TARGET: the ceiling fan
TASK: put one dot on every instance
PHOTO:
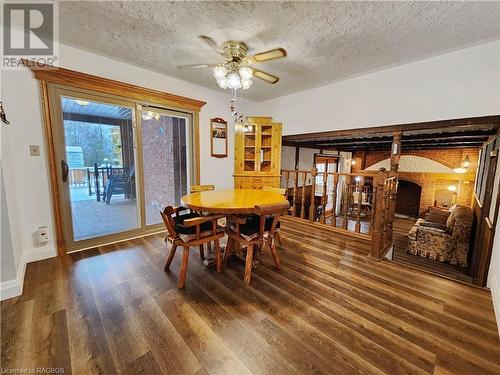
(236, 72)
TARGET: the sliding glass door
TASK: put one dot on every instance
(120, 161)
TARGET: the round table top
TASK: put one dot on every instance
(230, 200)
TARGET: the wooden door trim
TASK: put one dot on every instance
(52, 165)
(73, 79)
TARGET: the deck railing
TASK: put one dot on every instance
(362, 203)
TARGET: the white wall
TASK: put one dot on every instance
(26, 177)
(459, 84)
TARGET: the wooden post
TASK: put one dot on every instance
(395, 157)
(334, 200)
(312, 208)
(377, 236)
(303, 197)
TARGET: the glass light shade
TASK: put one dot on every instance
(245, 73)
(147, 115)
(222, 82)
(246, 83)
(219, 72)
(233, 81)
(81, 102)
(460, 170)
(466, 162)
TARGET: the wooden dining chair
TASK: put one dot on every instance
(198, 188)
(281, 191)
(186, 231)
(253, 232)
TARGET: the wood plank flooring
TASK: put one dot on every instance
(330, 310)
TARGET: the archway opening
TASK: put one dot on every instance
(408, 199)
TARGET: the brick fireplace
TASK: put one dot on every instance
(434, 186)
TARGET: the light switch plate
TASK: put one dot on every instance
(34, 150)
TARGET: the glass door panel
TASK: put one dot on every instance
(99, 162)
(165, 160)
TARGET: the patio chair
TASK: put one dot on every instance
(254, 231)
(120, 184)
(187, 231)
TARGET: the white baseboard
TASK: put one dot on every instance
(495, 297)
(14, 288)
(10, 289)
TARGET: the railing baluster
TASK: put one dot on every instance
(312, 206)
(324, 198)
(303, 197)
(357, 226)
(347, 200)
(334, 201)
(295, 185)
(373, 206)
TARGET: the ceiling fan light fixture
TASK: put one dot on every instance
(246, 73)
(222, 82)
(81, 102)
(246, 83)
(233, 80)
(219, 71)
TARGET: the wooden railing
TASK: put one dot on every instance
(361, 203)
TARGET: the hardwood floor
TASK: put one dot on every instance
(401, 228)
(330, 310)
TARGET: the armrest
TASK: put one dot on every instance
(200, 220)
(433, 232)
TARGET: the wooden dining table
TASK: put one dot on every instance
(230, 201)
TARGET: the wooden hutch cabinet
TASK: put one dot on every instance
(257, 154)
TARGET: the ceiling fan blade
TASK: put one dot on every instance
(273, 54)
(265, 76)
(211, 43)
(195, 66)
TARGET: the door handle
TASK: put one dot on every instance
(65, 170)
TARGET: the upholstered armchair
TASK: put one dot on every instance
(443, 242)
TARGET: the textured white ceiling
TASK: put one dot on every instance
(326, 41)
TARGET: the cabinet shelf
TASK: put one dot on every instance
(257, 153)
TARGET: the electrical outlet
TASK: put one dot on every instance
(34, 150)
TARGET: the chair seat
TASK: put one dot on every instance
(180, 219)
(250, 230)
(187, 234)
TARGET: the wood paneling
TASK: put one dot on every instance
(329, 310)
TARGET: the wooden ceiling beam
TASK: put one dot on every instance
(463, 136)
(458, 125)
